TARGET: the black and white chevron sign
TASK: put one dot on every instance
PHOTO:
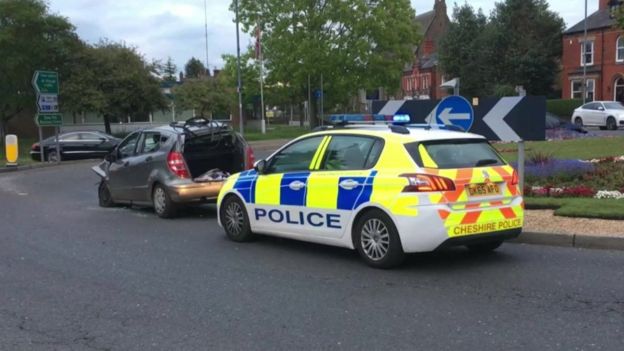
(513, 118)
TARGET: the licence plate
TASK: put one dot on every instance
(485, 189)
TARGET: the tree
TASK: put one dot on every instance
(194, 68)
(30, 39)
(355, 44)
(205, 95)
(170, 71)
(463, 50)
(250, 77)
(526, 44)
(129, 85)
(519, 45)
(80, 89)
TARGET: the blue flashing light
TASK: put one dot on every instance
(354, 118)
(401, 119)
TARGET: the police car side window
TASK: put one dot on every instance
(349, 152)
(295, 157)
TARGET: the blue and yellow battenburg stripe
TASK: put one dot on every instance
(321, 190)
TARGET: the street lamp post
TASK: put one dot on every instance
(584, 61)
(238, 73)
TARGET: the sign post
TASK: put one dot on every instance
(46, 84)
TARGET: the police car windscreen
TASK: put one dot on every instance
(461, 153)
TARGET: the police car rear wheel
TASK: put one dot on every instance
(377, 240)
(235, 221)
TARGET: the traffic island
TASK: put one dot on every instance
(542, 227)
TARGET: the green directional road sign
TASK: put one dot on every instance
(49, 119)
(46, 82)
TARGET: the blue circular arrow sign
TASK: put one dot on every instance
(455, 110)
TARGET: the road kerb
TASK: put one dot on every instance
(572, 240)
(43, 165)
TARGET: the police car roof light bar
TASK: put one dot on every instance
(368, 119)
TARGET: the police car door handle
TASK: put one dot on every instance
(348, 184)
(296, 185)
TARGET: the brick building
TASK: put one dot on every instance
(603, 54)
(422, 78)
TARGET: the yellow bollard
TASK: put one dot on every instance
(12, 150)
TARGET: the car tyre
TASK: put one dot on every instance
(163, 205)
(377, 241)
(104, 195)
(235, 220)
(611, 124)
(485, 247)
(52, 156)
(578, 121)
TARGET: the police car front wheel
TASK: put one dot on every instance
(377, 240)
(235, 220)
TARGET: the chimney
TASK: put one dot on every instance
(604, 4)
(440, 6)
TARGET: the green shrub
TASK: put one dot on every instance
(563, 108)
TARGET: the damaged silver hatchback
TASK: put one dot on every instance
(169, 166)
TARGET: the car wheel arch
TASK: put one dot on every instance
(226, 196)
(361, 212)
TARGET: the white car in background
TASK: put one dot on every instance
(604, 114)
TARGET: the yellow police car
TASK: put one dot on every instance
(383, 190)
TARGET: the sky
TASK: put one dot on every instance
(175, 28)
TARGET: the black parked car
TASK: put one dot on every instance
(75, 145)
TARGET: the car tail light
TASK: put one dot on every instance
(514, 178)
(249, 158)
(427, 182)
(35, 146)
(176, 164)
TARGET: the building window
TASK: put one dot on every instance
(577, 89)
(618, 90)
(587, 53)
(619, 50)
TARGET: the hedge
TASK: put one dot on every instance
(563, 108)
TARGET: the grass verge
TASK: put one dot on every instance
(276, 132)
(578, 207)
(586, 148)
(24, 152)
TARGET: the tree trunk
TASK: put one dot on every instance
(2, 129)
(107, 126)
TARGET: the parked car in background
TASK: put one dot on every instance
(555, 124)
(604, 114)
(170, 166)
(75, 145)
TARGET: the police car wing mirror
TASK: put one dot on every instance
(260, 166)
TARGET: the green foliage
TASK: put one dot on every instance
(584, 149)
(126, 81)
(206, 96)
(563, 108)
(579, 207)
(520, 44)
(170, 71)
(194, 68)
(30, 39)
(250, 77)
(355, 44)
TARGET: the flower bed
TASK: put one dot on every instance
(597, 178)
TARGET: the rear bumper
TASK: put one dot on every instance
(195, 192)
(429, 230)
(481, 238)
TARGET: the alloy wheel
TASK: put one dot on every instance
(375, 239)
(234, 219)
(160, 200)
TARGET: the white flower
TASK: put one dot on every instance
(606, 194)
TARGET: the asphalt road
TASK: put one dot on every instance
(74, 276)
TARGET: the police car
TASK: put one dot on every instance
(383, 190)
